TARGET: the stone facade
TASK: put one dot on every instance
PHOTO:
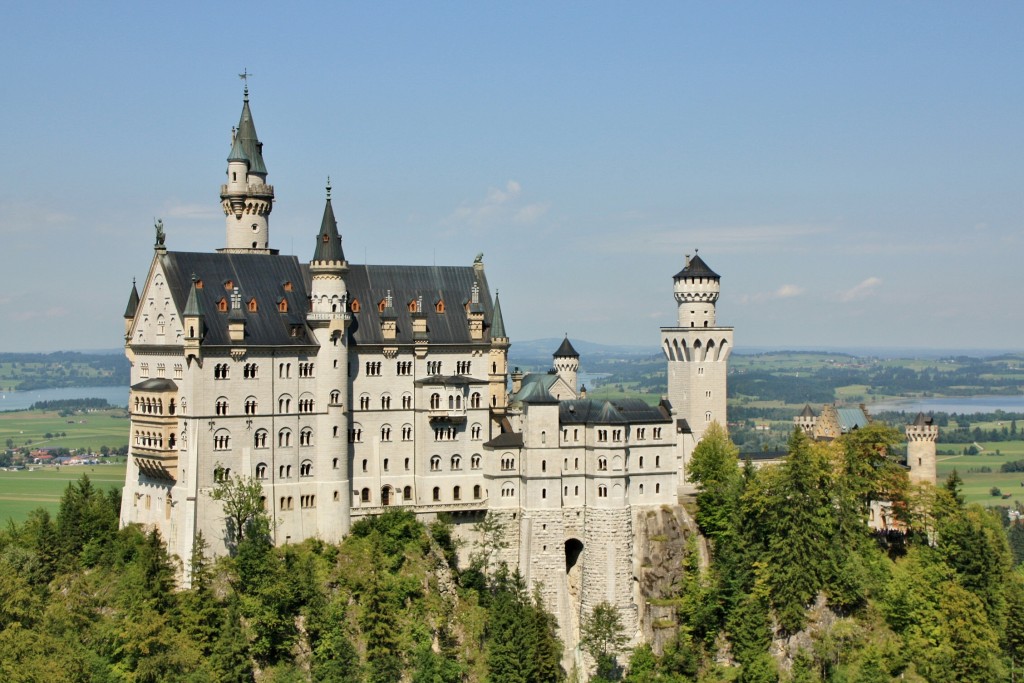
(346, 390)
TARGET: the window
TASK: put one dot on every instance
(641, 432)
(602, 464)
(657, 432)
(386, 464)
(449, 433)
(576, 463)
(249, 370)
(355, 434)
(284, 370)
(334, 463)
(476, 492)
(284, 471)
(366, 465)
(306, 405)
(433, 367)
(435, 463)
(251, 406)
(308, 501)
(385, 402)
(335, 397)
(476, 432)
(456, 462)
(306, 437)
(707, 394)
(657, 461)
(508, 462)
(437, 493)
(474, 462)
(373, 368)
(406, 401)
(543, 465)
(657, 488)
(462, 367)
(403, 368)
(616, 435)
(178, 369)
(221, 440)
(457, 493)
(641, 489)
(435, 401)
(385, 433)
(284, 438)
(221, 473)
(365, 496)
(707, 416)
(602, 434)
(305, 370)
(220, 371)
(261, 470)
(364, 402)
(700, 371)
(406, 432)
(407, 493)
(259, 439)
(284, 404)
(221, 407)
(602, 491)
(640, 462)
(286, 503)
(161, 370)
(508, 490)
(407, 464)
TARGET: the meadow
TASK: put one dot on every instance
(83, 430)
(25, 490)
(977, 485)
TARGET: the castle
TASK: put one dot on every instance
(347, 389)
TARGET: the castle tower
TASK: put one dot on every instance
(328, 318)
(697, 350)
(498, 376)
(921, 437)
(806, 420)
(129, 312)
(567, 364)
(246, 198)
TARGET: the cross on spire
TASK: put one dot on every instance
(328, 187)
(245, 77)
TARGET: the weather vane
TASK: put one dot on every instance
(245, 76)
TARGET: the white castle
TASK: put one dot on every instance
(346, 390)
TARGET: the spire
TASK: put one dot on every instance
(245, 137)
(133, 302)
(497, 323)
(566, 350)
(328, 242)
(695, 267)
(192, 306)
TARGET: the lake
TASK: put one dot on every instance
(962, 405)
(21, 400)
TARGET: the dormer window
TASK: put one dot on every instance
(439, 306)
(412, 306)
(229, 285)
(222, 305)
(287, 286)
(252, 305)
(355, 306)
(199, 284)
(327, 238)
(282, 305)
(381, 305)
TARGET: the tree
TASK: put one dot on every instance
(603, 638)
(715, 468)
(242, 500)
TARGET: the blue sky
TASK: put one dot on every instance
(853, 171)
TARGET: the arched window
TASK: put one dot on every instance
(261, 470)
(385, 433)
(335, 397)
(259, 439)
(474, 462)
(474, 400)
(222, 406)
(306, 468)
(602, 491)
(476, 492)
(251, 406)
(221, 440)
(284, 403)
(365, 497)
(457, 493)
(306, 437)
(284, 438)
(435, 463)
(407, 493)
(437, 493)
(435, 401)
(456, 462)
(602, 464)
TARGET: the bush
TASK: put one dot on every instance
(995, 492)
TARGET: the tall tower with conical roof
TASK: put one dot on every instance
(246, 198)
(328, 319)
(697, 350)
(498, 375)
(567, 364)
(922, 435)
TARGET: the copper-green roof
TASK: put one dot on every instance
(192, 306)
(245, 136)
(328, 241)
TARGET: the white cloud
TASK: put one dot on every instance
(499, 205)
(783, 292)
(861, 290)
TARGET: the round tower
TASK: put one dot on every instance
(246, 198)
(922, 435)
(806, 420)
(328, 318)
(696, 289)
(567, 364)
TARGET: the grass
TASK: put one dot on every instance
(977, 484)
(86, 430)
(24, 491)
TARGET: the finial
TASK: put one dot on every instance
(245, 77)
(194, 278)
(133, 282)
(328, 187)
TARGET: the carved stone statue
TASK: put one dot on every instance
(160, 234)
(479, 258)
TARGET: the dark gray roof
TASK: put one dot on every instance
(260, 276)
(498, 324)
(192, 306)
(808, 411)
(566, 350)
(452, 284)
(449, 381)
(155, 384)
(923, 420)
(696, 267)
(506, 440)
(328, 242)
(621, 411)
(133, 302)
(245, 135)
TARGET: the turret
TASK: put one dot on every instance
(696, 289)
(567, 363)
(921, 437)
(806, 420)
(246, 198)
(498, 377)
(192, 317)
(129, 311)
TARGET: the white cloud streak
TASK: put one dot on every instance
(499, 206)
(862, 290)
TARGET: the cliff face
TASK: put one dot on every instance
(661, 537)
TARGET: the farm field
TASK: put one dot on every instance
(977, 484)
(24, 491)
(88, 430)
